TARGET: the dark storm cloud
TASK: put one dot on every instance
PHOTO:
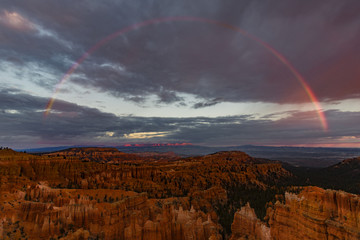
(11, 98)
(23, 125)
(22, 115)
(299, 128)
(169, 97)
(40, 40)
(319, 38)
(207, 104)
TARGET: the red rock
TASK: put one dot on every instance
(314, 213)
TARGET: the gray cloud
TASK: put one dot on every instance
(171, 59)
(197, 58)
(169, 97)
(207, 104)
(23, 125)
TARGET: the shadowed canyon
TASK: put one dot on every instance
(102, 193)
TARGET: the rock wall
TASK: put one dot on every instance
(314, 213)
(247, 225)
(79, 214)
(64, 195)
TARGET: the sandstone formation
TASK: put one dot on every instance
(97, 193)
(314, 213)
(80, 214)
(106, 194)
(247, 226)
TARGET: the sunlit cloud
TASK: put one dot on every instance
(12, 111)
(145, 135)
(15, 21)
(109, 134)
(346, 138)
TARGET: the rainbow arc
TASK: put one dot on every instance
(310, 93)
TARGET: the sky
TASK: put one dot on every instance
(206, 72)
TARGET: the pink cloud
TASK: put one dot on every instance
(15, 21)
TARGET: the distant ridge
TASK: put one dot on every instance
(45, 149)
(296, 156)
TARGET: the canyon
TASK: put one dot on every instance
(102, 193)
(314, 213)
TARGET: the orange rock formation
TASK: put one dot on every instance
(101, 194)
(247, 226)
(314, 213)
(71, 196)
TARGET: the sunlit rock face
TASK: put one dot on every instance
(43, 212)
(314, 213)
(317, 213)
(95, 194)
(247, 226)
(81, 194)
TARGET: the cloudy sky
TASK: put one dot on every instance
(206, 72)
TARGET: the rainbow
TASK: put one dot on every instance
(135, 26)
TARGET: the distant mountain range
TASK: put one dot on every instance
(296, 156)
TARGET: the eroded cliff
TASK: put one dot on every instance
(314, 213)
(106, 194)
(91, 194)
